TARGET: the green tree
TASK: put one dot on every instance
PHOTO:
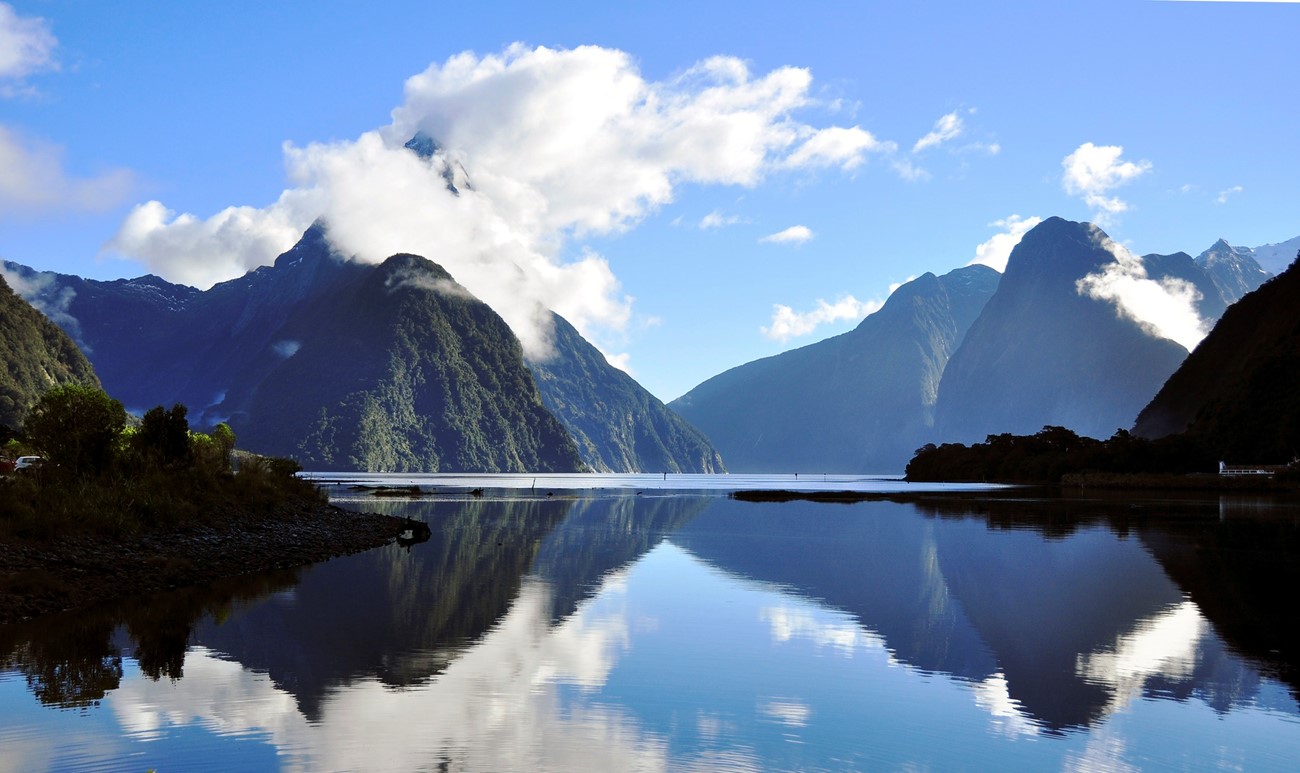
(224, 437)
(76, 427)
(164, 436)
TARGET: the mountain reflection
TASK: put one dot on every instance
(1057, 602)
(672, 631)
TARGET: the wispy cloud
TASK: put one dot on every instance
(26, 46)
(909, 171)
(788, 323)
(795, 234)
(32, 179)
(837, 146)
(1226, 194)
(716, 219)
(948, 127)
(994, 252)
(1093, 171)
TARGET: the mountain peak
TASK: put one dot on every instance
(422, 145)
(453, 172)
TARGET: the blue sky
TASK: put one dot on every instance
(697, 185)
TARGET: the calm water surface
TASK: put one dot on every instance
(610, 630)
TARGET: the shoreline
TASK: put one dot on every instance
(39, 578)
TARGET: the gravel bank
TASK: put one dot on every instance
(45, 577)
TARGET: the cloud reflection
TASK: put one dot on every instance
(1166, 644)
(840, 634)
(495, 708)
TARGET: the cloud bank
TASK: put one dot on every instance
(32, 179)
(1164, 308)
(1093, 171)
(560, 144)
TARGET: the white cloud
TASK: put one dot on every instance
(1164, 308)
(559, 144)
(947, 128)
(994, 252)
(795, 234)
(788, 323)
(26, 46)
(909, 171)
(1092, 171)
(1226, 194)
(183, 248)
(32, 179)
(716, 219)
(837, 146)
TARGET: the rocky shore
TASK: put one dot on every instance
(38, 578)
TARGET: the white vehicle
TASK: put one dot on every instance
(27, 462)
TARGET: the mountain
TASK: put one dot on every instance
(1234, 270)
(858, 402)
(617, 424)
(36, 354)
(1277, 257)
(340, 364)
(1220, 275)
(402, 370)
(1041, 352)
(232, 353)
(1237, 390)
(116, 323)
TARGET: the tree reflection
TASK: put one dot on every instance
(69, 662)
(72, 660)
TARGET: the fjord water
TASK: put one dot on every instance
(664, 631)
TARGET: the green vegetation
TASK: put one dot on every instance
(37, 355)
(1053, 452)
(618, 426)
(402, 370)
(103, 477)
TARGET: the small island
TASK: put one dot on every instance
(115, 509)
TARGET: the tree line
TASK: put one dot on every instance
(1053, 452)
(103, 472)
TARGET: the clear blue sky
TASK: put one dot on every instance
(105, 107)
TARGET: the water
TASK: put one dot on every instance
(668, 631)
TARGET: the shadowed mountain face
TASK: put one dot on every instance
(1043, 353)
(36, 355)
(157, 343)
(617, 425)
(858, 402)
(1238, 389)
